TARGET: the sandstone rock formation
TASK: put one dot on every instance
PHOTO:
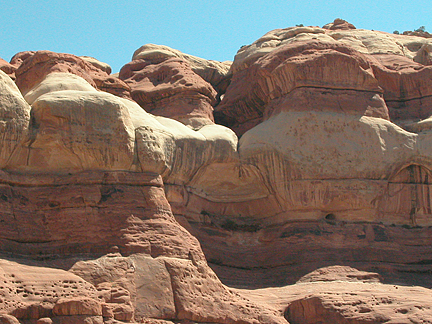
(171, 89)
(124, 200)
(169, 83)
(7, 68)
(35, 66)
(340, 301)
(214, 72)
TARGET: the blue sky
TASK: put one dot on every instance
(112, 30)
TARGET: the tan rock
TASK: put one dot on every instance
(100, 65)
(59, 81)
(351, 147)
(14, 120)
(139, 278)
(347, 302)
(340, 273)
(30, 291)
(81, 130)
(159, 139)
(8, 319)
(200, 297)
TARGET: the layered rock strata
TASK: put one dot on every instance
(115, 192)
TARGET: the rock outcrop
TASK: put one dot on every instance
(341, 301)
(7, 68)
(148, 196)
(171, 89)
(35, 66)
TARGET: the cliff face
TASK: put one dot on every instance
(311, 149)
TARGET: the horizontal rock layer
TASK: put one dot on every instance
(116, 189)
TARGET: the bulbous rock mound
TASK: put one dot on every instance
(171, 89)
(35, 66)
(122, 201)
(7, 68)
(305, 76)
(214, 72)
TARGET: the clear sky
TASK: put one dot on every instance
(112, 30)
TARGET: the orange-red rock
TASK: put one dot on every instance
(20, 57)
(36, 66)
(214, 72)
(340, 24)
(407, 87)
(170, 89)
(304, 76)
(147, 226)
(77, 306)
(7, 68)
(108, 214)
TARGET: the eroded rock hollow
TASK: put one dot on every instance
(292, 185)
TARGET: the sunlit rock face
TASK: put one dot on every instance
(311, 149)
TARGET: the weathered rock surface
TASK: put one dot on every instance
(7, 68)
(35, 66)
(306, 76)
(214, 72)
(108, 213)
(347, 302)
(170, 89)
(14, 119)
(397, 64)
(100, 65)
(20, 57)
(59, 81)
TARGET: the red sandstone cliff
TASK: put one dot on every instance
(289, 186)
